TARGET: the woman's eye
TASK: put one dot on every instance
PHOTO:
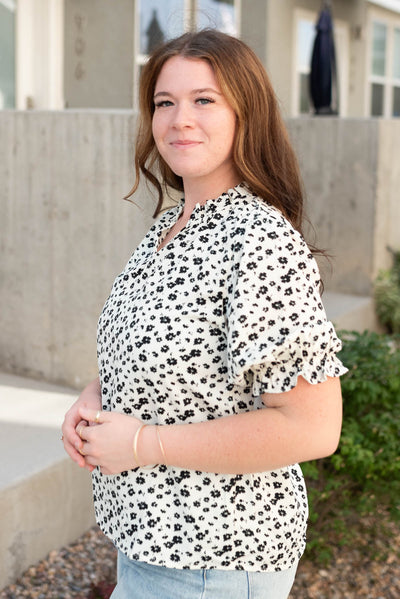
(205, 101)
(163, 103)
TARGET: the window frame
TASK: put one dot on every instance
(388, 81)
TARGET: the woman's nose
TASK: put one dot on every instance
(183, 116)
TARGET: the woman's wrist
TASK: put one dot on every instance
(150, 448)
(91, 395)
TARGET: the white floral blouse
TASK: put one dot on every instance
(227, 310)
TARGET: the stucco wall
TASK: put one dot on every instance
(66, 233)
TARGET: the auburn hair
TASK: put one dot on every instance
(262, 153)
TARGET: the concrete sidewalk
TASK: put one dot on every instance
(45, 499)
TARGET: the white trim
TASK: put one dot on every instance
(10, 4)
(136, 46)
(393, 5)
(55, 30)
(342, 50)
(306, 15)
(238, 12)
(39, 50)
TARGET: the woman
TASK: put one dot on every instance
(217, 365)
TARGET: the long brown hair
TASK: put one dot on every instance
(262, 153)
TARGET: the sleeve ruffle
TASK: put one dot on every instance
(308, 352)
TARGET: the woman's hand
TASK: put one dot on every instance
(73, 423)
(108, 444)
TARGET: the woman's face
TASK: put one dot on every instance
(193, 124)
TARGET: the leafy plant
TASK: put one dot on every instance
(363, 476)
(387, 295)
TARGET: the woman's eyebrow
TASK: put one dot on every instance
(161, 94)
(206, 90)
(193, 92)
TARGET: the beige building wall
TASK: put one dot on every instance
(99, 53)
(254, 28)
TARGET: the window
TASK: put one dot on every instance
(384, 79)
(159, 20)
(220, 15)
(7, 54)
(378, 68)
(304, 35)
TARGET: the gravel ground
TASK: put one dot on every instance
(77, 570)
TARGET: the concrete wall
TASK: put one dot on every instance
(387, 220)
(351, 174)
(46, 511)
(66, 233)
(338, 160)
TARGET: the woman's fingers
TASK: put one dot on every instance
(105, 440)
(93, 416)
(72, 427)
(73, 452)
(80, 427)
(74, 424)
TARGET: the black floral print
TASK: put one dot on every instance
(227, 310)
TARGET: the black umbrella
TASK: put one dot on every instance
(323, 83)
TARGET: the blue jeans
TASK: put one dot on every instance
(139, 580)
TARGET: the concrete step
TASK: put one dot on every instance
(45, 499)
(351, 312)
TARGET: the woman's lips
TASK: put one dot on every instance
(184, 143)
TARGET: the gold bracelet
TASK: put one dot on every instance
(135, 442)
(161, 445)
(135, 447)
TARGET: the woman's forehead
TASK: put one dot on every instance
(181, 71)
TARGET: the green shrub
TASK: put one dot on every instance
(363, 476)
(387, 295)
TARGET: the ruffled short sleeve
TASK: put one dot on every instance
(277, 325)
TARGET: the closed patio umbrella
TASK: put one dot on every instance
(323, 82)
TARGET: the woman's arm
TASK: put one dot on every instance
(295, 426)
